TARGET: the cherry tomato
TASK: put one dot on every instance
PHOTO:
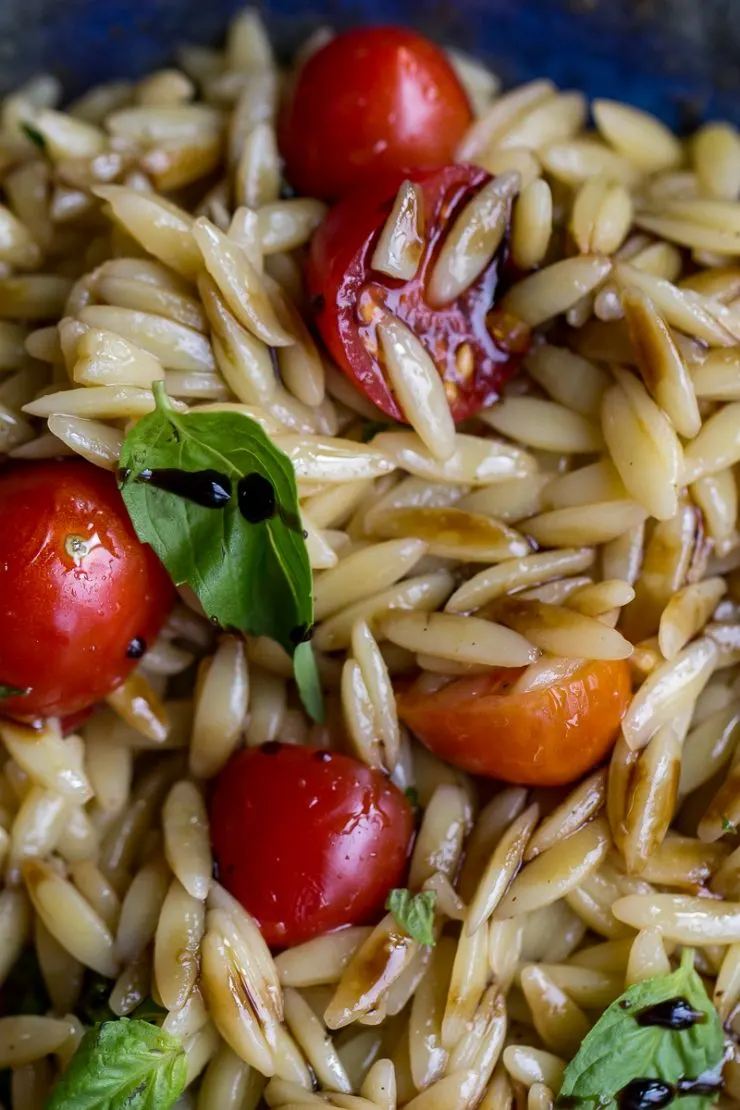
(308, 840)
(544, 737)
(74, 721)
(372, 99)
(475, 349)
(80, 596)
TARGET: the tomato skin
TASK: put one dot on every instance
(373, 99)
(341, 281)
(307, 840)
(66, 618)
(547, 737)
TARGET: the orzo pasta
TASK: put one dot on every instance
(434, 754)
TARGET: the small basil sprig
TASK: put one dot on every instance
(123, 1065)
(629, 1044)
(414, 913)
(217, 500)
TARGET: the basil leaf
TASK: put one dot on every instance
(13, 691)
(123, 1065)
(414, 913)
(619, 1049)
(243, 552)
(34, 135)
(411, 794)
(149, 1010)
(308, 681)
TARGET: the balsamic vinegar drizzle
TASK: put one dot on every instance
(213, 490)
(207, 488)
(256, 496)
(651, 1094)
(645, 1094)
(673, 1013)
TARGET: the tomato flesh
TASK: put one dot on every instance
(545, 737)
(307, 840)
(370, 100)
(76, 587)
(474, 349)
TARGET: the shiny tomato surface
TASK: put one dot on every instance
(474, 348)
(308, 840)
(79, 594)
(373, 99)
(544, 737)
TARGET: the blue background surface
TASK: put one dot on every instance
(679, 58)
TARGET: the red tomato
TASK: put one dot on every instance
(543, 737)
(475, 350)
(307, 840)
(80, 596)
(372, 99)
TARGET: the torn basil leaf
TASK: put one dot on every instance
(123, 1065)
(308, 680)
(414, 913)
(636, 1040)
(7, 691)
(34, 135)
(217, 500)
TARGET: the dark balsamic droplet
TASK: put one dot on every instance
(207, 488)
(673, 1013)
(322, 756)
(136, 648)
(256, 498)
(272, 747)
(317, 303)
(645, 1094)
(123, 474)
(568, 1102)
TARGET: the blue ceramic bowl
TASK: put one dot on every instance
(678, 58)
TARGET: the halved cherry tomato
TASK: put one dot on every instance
(308, 840)
(372, 99)
(80, 595)
(474, 350)
(542, 737)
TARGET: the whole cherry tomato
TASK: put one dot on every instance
(80, 595)
(372, 99)
(544, 737)
(474, 347)
(308, 840)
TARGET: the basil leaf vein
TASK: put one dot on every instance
(252, 577)
(123, 1065)
(619, 1050)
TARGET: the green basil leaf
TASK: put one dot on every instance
(13, 691)
(149, 1010)
(34, 135)
(123, 1065)
(251, 576)
(619, 1049)
(414, 913)
(411, 794)
(308, 681)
